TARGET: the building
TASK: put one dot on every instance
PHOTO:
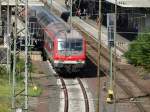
(132, 16)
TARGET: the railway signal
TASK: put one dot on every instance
(110, 30)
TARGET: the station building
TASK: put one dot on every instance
(133, 16)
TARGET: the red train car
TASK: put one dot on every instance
(65, 47)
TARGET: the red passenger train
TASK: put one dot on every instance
(65, 47)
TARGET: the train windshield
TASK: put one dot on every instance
(70, 45)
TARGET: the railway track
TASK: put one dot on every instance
(92, 53)
(75, 95)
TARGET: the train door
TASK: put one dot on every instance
(51, 47)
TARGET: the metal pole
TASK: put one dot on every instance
(14, 60)
(70, 14)
(98, 59)
(111, 66)
(51, 1)
(8, 40)
(26, 56)
(115, 34)
(0, 10)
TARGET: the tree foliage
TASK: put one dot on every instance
(139, 51)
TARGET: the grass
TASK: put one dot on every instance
(4, 107)
(32, 92)
(6, 89)
(5, 95)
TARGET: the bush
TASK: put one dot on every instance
(139, 51)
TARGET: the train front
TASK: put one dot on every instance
(71, 51)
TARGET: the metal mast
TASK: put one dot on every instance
(115, 35)
(51, 5)
(26, 56)
(70, 14)
(8, 40)
(0, 17)
(14, 59)
(99, 54)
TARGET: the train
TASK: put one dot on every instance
(63, 45)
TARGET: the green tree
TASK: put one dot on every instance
(139, 51)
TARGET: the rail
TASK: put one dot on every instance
(85, 95)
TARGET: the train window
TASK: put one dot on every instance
(70, 45)
(76, 45)
(62, 45)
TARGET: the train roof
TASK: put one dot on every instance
(61, 31)
(54, 24)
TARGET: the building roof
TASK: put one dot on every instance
(22, 2)
(132, 3)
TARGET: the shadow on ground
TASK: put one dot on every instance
(88, 71)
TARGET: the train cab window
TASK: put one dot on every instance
(70, 45)
(62, 45)
(76, 45)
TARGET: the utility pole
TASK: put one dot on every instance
(50, 3)
(70, 14)
(115, 64)
(0, 18)
(26, 56)
(111, 27)
(8, 40)
(99, 57)
(25, 90)
(14, 60)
